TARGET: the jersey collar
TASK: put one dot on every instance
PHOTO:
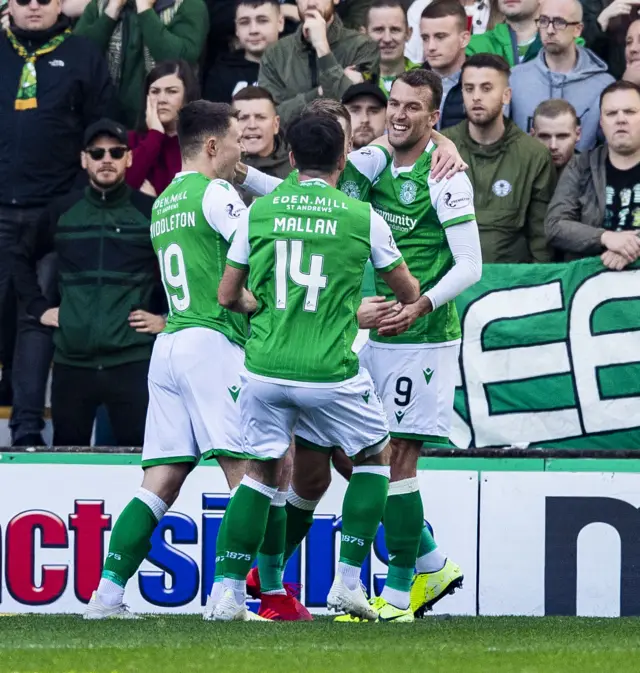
(398, 170)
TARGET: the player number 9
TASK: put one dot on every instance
(404, 386)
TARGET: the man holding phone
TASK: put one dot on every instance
(321, 59)
(54, 85)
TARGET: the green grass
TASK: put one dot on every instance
(64, 644)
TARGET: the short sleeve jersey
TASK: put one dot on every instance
(192, 223)
(306, 245)
(418, 210)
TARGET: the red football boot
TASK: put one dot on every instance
(283, 608)
(253, 585)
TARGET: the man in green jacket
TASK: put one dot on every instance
(137, 34)
(517, 39)
(108, 275)
(321, 59)
(512, 174)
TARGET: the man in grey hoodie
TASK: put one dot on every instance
(561, 70)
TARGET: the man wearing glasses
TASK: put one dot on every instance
(561, 70)
(103, 325)
(54, 85)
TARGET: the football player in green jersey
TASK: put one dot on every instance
(413, 355)
(303, 250)
(195, 369)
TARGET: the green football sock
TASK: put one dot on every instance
(299, 522)
(245, 527)
(271, 554)
(130, 541)
(220, 548)
(403, 523)
(362, 509)
(427, 543)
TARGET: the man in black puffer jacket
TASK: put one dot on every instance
(54, 85)
(103, 327)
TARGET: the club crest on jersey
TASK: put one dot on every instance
(350, 188)
(408, 192)
(501, 188)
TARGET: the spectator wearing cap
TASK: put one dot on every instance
(136, 34)
(103, 327)
(561, 70)
(387, 25)
(367, 106)
(54, 85)
(264, 145)
(321, 59)
(445, 37)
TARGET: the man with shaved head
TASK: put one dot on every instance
(561, 70)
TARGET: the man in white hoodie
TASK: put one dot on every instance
(561, 70)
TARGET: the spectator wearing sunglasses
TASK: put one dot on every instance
(561, 70)
(53, 86)
(104, 326)
(137, 34)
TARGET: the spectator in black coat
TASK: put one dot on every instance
(54, 85)
(258, 24)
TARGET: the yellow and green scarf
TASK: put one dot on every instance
(26, 98)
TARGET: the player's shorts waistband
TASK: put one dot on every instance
(299, 384)
(412, 347)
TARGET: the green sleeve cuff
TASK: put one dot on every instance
(458, 220)
(391, 266)
(237, 265)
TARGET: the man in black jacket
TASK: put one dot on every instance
(258, 24)
(54, 84)
(445, 36)
(103, 327)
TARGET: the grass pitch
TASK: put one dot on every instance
(186, 644)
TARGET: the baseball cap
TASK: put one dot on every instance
(106, 127)
(364, 89)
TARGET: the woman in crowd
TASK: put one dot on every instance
(156, 151)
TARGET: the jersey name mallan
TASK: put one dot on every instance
(306, 245)
(192, 249)
(418, 210)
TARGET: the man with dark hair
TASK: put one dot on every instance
(303, 377)
(557, 127)
(596, 207)
(445, 36)
(106, 265)
(561, 70)
(193, 409)
(513, 172)
(367, 107)
(387, 25)
(322, 59)
(264, 144)
(258, 25)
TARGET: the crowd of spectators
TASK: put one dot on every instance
(541, 97)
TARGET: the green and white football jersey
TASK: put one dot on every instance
(418, 210)
(192, 222)
(306, 245)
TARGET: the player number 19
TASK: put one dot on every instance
(288, 263)
(169, 259)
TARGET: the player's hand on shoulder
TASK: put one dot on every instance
(401, 321)
(146, 323)
(446, 160)
(375, 309)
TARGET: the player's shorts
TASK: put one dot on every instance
(348, 415)
(194, 386)
(416, 383)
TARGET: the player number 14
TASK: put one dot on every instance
(288, 264)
